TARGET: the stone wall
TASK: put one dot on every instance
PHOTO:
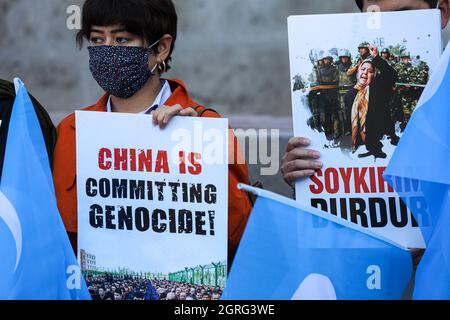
(233, 54)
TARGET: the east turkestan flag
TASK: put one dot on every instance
(423, 158)
(290, 252)
(37, 261)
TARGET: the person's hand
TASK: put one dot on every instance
(162, 115)
(373, 49)
(298, 161)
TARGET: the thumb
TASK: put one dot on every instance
(188, 112)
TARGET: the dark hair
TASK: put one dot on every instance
(148, 19)
(432, 3)
(139, 295)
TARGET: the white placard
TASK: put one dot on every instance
(143, 211)
(351, 184)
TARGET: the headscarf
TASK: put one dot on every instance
(359, 112)
(359, 115)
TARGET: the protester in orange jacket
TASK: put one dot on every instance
(131, 43)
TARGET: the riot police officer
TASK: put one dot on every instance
(328, 97)
(346, 82)
(407, 91)
(388, 57)
(364, 54)
(315, 122)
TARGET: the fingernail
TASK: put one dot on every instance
(319, 164)
(316, 154)
(306, 141)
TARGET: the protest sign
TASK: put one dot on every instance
(152, 203)
(355, 85)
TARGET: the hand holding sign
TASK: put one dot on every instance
(162, 115)
(151, 201)
(373, 50)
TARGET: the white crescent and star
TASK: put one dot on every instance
(315, 287)
(9, 215)
(7, 212)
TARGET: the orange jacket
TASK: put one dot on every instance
(64, 170)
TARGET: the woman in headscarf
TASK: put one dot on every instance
(369, 104)
(130, 49)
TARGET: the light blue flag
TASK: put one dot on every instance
(37, 262)
(290, 252)
(423, 158)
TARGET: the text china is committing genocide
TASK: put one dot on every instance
(144, 219)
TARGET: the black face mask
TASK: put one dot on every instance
(121, 71)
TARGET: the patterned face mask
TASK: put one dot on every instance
(121, 71)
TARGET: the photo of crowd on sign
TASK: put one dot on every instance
(198, 283)
(363, 99)
(136, 288)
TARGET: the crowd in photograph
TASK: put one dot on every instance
(114, 287)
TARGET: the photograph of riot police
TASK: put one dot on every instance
(411, 82)
(362, 101)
